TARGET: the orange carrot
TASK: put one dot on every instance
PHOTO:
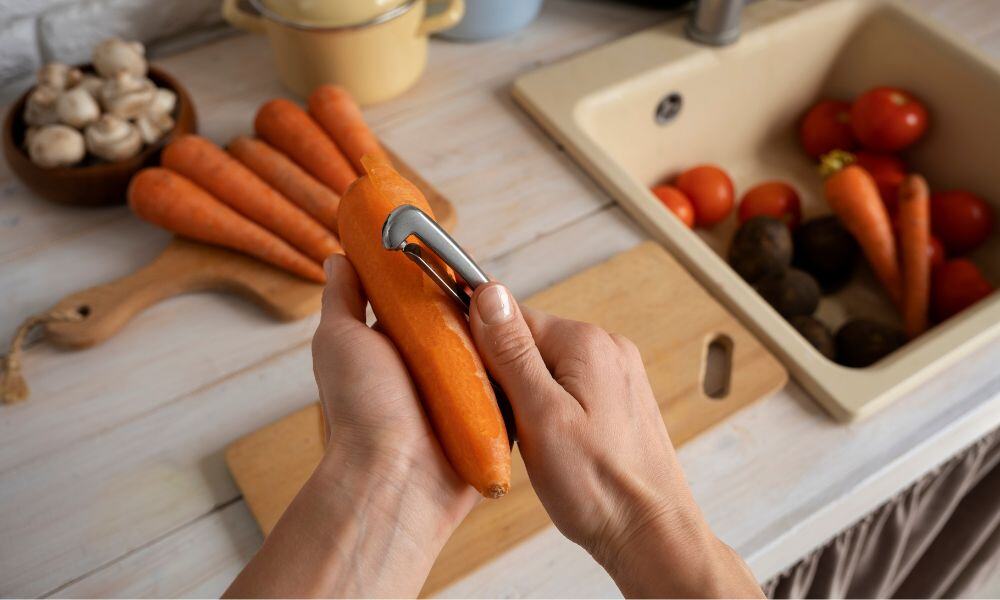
(227, 179)
(914, 236)
(430, 332)
(290, 129)
(337, 112)
(167, 199)
(288, 178)
(853, 195)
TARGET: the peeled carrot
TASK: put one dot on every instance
(288, 178)
(167, 199)
(290, 129)
(914, 237)
(227, 179)
(853, 195)
(337, 112)
(429, 330)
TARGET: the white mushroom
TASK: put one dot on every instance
(56, 146)
(163, 103)
(152, 126)
(113, 138)
(40, 108)
(77, 108)
(126, 95)
(92, 84)
(115, 55)
(58, 76)
(28, 134)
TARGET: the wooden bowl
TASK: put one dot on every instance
(97, 183)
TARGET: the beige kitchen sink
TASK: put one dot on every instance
(738, 108)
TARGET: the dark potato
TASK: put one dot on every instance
(762, 247)
(791, 293)
(816, 333)
(861, 342)
(827, 251)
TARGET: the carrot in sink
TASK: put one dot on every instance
(227, 179)
(337, 112)
(853, 195)
(288, 178)
(171, 201)
(914, 237)
(290, 129)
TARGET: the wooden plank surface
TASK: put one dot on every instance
(634, 294)
(112, 481)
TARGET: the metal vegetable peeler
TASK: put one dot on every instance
(406, 221)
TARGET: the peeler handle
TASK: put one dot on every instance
(409, 220)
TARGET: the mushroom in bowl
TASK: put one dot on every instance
(80, 134)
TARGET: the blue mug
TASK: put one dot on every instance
(486, 19)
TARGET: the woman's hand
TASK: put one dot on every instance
(598, 454)
(383, 501)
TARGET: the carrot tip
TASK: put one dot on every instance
(497, 490)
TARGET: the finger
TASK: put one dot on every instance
(342, 318)
(343, 297)
(507, 347)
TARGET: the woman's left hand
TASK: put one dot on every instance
(370, 403)
(384, 499)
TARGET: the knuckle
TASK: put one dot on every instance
(513, 350)
(627, 347)
(332, 337)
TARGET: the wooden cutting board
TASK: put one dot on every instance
(186, 266)
(642, 293)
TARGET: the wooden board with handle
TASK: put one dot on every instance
(186, 266)
(642, 293)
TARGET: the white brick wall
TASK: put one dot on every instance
(33, 32)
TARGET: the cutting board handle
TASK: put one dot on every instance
(181, 268)
(106, 308)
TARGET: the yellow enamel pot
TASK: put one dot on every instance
(374, 60)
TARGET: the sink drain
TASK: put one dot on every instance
(668, 108)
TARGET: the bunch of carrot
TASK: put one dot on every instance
(275, 198)
(853, 195)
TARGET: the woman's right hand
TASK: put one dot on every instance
(598, 454)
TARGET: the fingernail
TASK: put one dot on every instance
(494, 304)
(328, 266)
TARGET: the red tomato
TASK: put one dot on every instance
(934, 248)
(936, 251)
(887, 119)
(710, 191)
(826, 127)
(773, 198)
(957, 285)
(888, 172)
(961, 220)
(677, 202)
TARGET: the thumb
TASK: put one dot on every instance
(343, 298)
(508, 348)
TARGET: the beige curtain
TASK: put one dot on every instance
(938, 538)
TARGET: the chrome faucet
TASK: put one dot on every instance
(715, 22)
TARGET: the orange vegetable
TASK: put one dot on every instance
(853, 195)
(290, 129)
(429, 330)
(288, 178)
(914, 238)
(337, 112)
(167, 199)
(227, 179)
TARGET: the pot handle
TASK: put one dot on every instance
(446, 19)
(240, 19)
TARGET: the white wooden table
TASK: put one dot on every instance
(112, 481)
